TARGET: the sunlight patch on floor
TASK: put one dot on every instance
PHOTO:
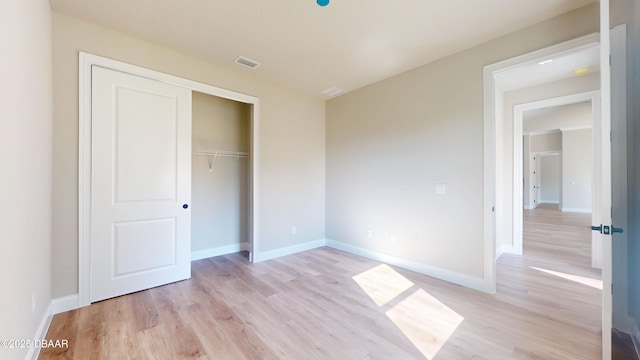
(594, 283)
(423, 319)
(382, 283)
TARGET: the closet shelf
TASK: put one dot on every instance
(216, 152)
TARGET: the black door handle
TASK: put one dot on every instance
(607, 229)
(184, 206)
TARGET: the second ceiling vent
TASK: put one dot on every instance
(332, 91)
(247, 62)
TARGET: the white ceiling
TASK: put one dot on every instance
(349, 43)
(559, 68)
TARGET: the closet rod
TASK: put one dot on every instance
(228, 153)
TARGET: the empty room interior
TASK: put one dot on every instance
(320, 179)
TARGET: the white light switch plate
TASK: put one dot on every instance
(441, 189)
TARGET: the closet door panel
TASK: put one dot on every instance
(141, 184)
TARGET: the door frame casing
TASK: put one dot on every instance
(86, 62)
(593, 97)
(490, 168)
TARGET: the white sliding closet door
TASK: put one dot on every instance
(141, 183)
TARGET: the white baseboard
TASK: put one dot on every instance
(64, 304)
(504, 249)
(272, 254)
(41, 333)
(529, 207)
(574, 210)
(438, 273)
(218, 251)
(56, 306)
(549, 202)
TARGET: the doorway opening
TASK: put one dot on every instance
(515, 89)
(566, 126)
(219, 176)
(613, 45)
(503, 150)
(545, 174)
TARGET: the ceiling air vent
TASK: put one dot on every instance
(332, 91)
(247, 62)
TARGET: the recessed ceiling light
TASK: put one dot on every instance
(332, 91)
(545, 62)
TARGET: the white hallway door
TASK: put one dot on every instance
(549, 179)
(141, 183)
(537, 180)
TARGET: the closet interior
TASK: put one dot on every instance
(220, 176)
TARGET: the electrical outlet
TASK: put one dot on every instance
(294, 230)
(392, 238)
(369, 233)
(33, 302)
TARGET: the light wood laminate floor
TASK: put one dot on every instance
(327, 304)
